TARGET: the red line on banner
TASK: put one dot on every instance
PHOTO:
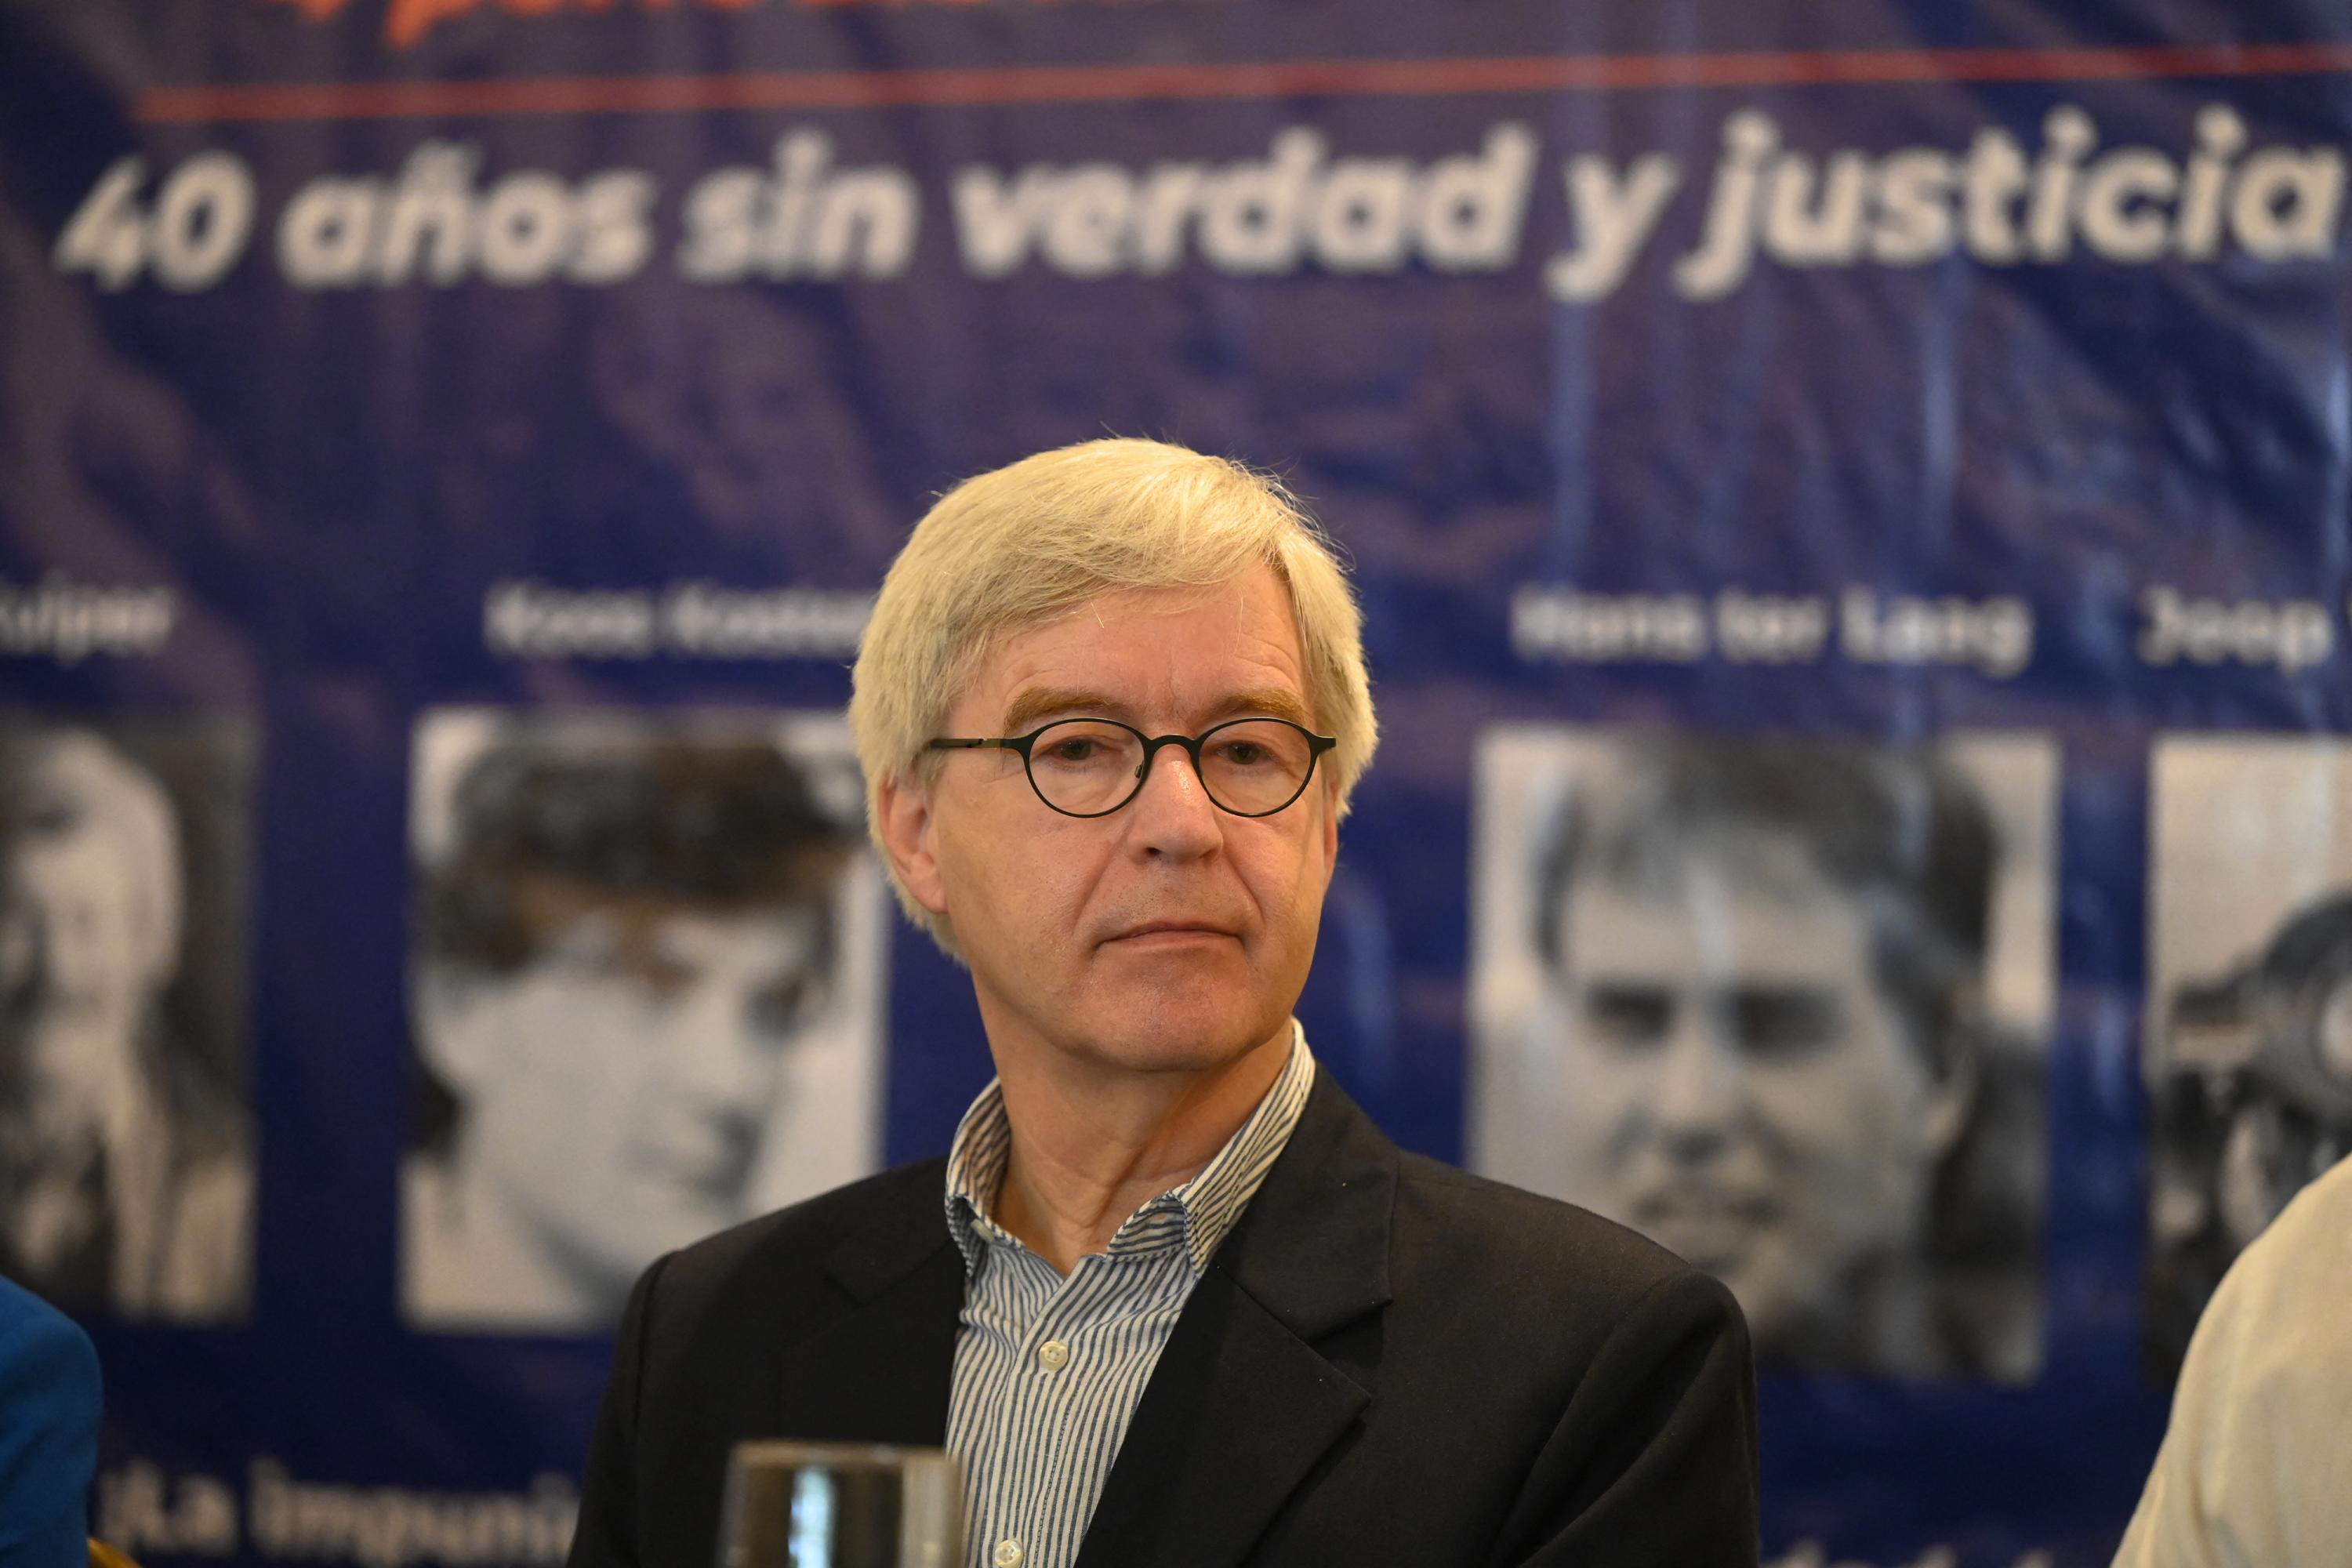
(1300, 79)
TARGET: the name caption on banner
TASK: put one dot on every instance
(441, 216)
(1552, 624)
(2287, 635)
(67, 622)
(686, 620)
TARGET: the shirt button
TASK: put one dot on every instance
(1008, 1555)
(1056, 1356)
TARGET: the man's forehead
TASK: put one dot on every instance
(1702, 928)
(1228, 645)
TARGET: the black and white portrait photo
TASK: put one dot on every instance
(1781, 1004)
(646, 997)
(2248, 1038)
(126, 1151)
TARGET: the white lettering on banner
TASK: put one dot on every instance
(1612, 219)
(532, 620)
(1574, 628)
(395, 1527)
(1994, 635)
(1296, 207)
(1768, 628)
(686, 620)
(798, 218)
(1721, 260)
(2287, 635)
(1999, 203)
(196, 231)
(140, 1511)
(712, 622)
(67, 621)
(436, 223)
(1554, 624)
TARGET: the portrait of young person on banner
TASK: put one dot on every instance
(126, 1158)
(645, 999)
(1745, 996)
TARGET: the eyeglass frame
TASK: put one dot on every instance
(1316, 746)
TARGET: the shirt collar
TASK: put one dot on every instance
(1199, 1214)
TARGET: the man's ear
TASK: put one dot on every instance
(903, 812)
(1331, 828)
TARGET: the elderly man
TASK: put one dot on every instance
(1171, 1298)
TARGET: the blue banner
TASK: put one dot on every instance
(1854, 495)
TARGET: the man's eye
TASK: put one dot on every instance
(1783, 1021)
(1631, 1016)
(660, 976)
(1244, 754)
(1081, 747)
(52, 819)
(780, 1009)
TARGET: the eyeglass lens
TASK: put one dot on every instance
(1088, 767)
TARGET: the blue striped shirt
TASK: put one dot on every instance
(1049, 1370)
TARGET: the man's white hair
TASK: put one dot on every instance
(1011, 548)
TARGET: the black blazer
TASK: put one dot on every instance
(1387, 1363)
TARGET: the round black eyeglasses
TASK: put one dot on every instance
(1091, 767)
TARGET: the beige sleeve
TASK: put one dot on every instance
(2253, 1472)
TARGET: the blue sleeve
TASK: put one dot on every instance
(49, 1402)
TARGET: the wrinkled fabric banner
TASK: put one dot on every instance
(1850, 509)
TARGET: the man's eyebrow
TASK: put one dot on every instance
(1269, 702)
(1038, 702)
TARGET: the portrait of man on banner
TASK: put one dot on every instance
(126, 1161)
(644, 998)
(2250, 1007)
(1777, 1004)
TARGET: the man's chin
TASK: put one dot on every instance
(1758, 1276)
(1178, 1034)
(1174, 989)
(1723, 1242)
(1729, 1262)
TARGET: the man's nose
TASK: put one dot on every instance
(718, 1055)
(1698, 1086)
(1173, 814)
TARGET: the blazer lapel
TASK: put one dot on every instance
(880, 1372)
(1243, 1405)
